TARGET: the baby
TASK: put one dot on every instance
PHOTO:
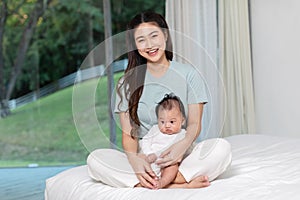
(169, 130)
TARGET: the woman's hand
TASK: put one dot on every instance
(143, 170)
(151, 158)
(173, 154)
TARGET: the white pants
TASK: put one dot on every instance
(210, 158)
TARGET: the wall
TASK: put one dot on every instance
(276, 65)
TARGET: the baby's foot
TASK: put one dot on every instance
(199, 182)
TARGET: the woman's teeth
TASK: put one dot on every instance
(152, 51)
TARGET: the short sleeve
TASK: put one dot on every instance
(197, 92)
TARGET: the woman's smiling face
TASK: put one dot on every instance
(150, 41)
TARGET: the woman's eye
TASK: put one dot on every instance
(154, 36)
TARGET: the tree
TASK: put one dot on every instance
(27, 34)
(3, 103)
(3, 17)
(69, 31)
(51, 41)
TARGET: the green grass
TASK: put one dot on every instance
(49, 132)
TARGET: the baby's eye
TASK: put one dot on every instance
(162, 122)
(172, 122)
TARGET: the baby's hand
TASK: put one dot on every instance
(151, 158)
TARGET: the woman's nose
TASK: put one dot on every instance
(148, 43)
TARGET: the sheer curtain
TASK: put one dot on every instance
(193, 27)
(226, 69)
(236, 67)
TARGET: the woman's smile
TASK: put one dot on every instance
(153, 52)
(150, 41)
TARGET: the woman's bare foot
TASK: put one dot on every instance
(138, 185)
(198, 182)
(155, 187)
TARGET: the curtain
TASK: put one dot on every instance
(193, 26)
(236, 67)
(214, 37)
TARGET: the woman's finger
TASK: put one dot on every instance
(144, 181)
(149, 171)
(163, 161)
(165, 164)
(165, 153)
(151, 178)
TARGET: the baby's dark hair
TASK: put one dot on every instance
(169, 102)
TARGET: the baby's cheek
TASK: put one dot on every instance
(161, 127)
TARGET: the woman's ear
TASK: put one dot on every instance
(183, 123)
(166, 35)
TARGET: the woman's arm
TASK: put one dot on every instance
(193, 128)
(138, 162)
(175, 153)
(130, 145)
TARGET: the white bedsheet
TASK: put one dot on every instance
(263, 167)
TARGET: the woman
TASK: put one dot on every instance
(150, 75)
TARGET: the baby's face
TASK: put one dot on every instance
(170, 121)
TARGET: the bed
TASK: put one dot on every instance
(263, 167)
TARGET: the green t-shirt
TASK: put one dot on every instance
(181, 79)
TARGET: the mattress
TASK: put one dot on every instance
(263, 167)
